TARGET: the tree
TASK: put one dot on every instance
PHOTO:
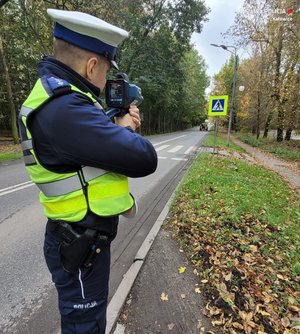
(3, 2)
(267, 23)
(158, 55)
(23, 25)
(12, 109)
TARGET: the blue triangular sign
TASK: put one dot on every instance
(219, 106)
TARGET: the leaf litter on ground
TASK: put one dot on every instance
(240, 228)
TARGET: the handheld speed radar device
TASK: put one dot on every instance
(119, 94)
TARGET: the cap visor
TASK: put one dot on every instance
(114, 64)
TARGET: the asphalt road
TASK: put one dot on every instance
(28, 302)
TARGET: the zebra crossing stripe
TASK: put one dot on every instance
(161, 148)
(175, 149)
(179, 159)
(190, 149)
(165, 141)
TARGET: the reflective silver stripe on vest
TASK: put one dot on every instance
(29, 159)
(91, 173)
(26, 144)
(65, 186)
(60, 187)
(25, 111)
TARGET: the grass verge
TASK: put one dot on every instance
(10, 152)
(287, 150)
(221, 142)
(239, 225)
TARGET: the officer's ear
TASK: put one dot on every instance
(91, 67)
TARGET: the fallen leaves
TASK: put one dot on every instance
(181, 270)
(213, 310)
(164, 297)
(171, 326)
(242, 270)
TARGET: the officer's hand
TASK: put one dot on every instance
(131, 119)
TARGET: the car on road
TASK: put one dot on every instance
(203, 127)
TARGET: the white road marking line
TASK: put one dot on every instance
(175, 149)
(161, 148)
(162, 157)
(179, 159)
(16, 187)
(190, 149)
(165, 141)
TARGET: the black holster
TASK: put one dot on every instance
(76, 249)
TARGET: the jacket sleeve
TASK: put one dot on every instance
(75, 133)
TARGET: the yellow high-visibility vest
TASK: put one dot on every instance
(68, 196)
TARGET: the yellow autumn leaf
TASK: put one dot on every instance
(164, 296)
(253, 248)
(217, 322)
(237, 325)
(264, 313)
(228, 277)
(285, 322)
(181, 270)
(197, 290)
(287, 331)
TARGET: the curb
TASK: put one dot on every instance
(115, 306)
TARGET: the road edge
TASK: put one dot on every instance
(116, 303)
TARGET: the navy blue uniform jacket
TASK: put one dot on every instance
(70, 132)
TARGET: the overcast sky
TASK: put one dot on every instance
(221, 17)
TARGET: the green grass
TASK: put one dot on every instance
(221, 142)
(10, 156)
(9, 151)
(287, 150)
(243, 189)
(242, 220)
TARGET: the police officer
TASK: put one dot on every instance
(80, 160)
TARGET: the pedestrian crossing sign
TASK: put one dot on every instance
(218, 105)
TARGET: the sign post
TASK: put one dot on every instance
(217, 107)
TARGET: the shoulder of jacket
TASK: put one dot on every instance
(57, 86)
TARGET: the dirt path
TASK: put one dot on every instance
(287, 170)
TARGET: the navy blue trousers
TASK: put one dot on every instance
(82, 297)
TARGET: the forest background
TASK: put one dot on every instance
(159, 57)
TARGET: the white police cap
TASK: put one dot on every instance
(88, 32)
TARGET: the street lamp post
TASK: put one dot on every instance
(225, 47)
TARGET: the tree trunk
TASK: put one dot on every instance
(291, 124)
(288, 134)
(279, 137)
(11, 105)
(294, 110)
(258, 116)
(280, 124)
(267, 125)
(277, 85)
